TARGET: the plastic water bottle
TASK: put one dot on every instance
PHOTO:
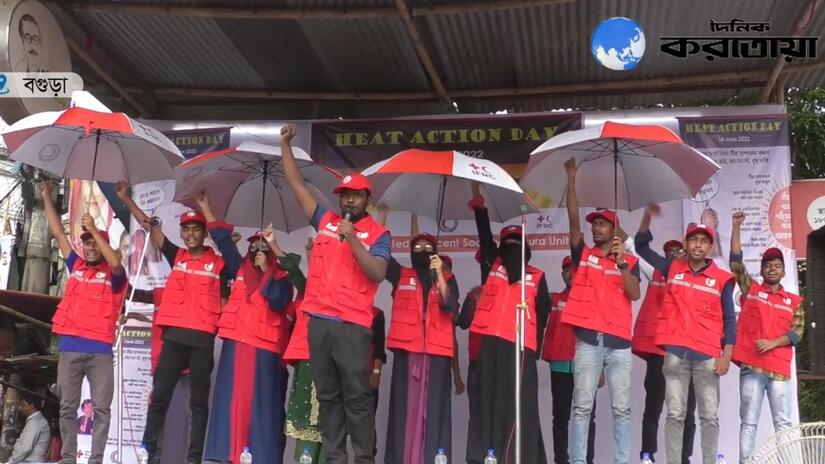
(306, 458)
(143, 455)
(646, 458)
(720, 459)
(491, 457)
(246, 456)
(440, 458)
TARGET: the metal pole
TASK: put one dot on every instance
(520, 333)
(94, 168)
(119, 348)
(615, 176)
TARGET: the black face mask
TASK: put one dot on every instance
(421, 263)
(510, 255)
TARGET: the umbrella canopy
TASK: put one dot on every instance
(437, 184)
(79, 143)
(624, 166)
(247, 188)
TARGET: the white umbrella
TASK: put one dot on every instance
(80, 143)
(247, 188)
(622, 165)
(436, 184)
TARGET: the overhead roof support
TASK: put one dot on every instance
(803, 21)
(238, 12)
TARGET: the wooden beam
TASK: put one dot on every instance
(803, 21)
(302, 13)
(720, 80)
(421, 51)
(106, 76)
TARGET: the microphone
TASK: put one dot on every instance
(348, 218)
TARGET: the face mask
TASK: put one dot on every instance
(511, 259)
(420, 259)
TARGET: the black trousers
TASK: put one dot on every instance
(339, 358)
(654, 402)
(375, 411)
(174, 358)
(561, 387)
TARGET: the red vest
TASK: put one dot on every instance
(644, 332)
(765, 315)
(336, 286)
(249, 319)
(691, 314)
(89, 307)
(298, 347)
(412, 328)
(597, 299)
(192, 296)
(559, 343)
(496, 308)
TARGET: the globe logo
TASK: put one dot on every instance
(618, 43)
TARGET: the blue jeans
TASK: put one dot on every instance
(590, 361)
(678, 374)
(752, 390)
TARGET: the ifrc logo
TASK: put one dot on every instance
(346, 180)
(787, 301)
(679, 276)
(710, 282)
(481, 171)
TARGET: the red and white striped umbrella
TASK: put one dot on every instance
(437, 184)
(625, 166)
(79, 143)
(247, 188)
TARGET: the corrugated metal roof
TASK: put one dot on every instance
(499, 48)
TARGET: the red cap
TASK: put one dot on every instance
(86, 235)
(671, 244)
(773, 253)
(447, 260)
(605, 214)
(700, 229)
(355, 181)
(508, 232)
(426, 237)
(256, 236)
(192, 216)
(566, 262)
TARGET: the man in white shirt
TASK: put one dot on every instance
(33, 443)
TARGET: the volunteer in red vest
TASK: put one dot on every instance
(248, 403)
(770, 325)
(559, 349)
(599, 306)
(302, 411)
(697, 329)
(188, 315)
(644, 346)
(349, 261)
(492, 425)
(421, 337)
(85, 320)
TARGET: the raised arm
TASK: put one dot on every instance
(122, 190)
(55, 225)
(737, 266)
(221, 234)
(293, 175)
(486, 242)
(573, 204)
(111, 256)
(642, 242)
